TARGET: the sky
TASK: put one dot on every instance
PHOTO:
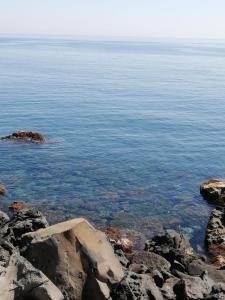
(114, 18)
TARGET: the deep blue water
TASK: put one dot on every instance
(135, 127)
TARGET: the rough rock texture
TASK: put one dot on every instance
(23, 221)
(76, 256)
(4, 218)
(175, 269)
(151, 260)
(215, 233)
(20, 280)
(72, 260)
(26, 137)
(138, 287)
(173, 246)
(213, 190)
(2, 190)
(192, 287)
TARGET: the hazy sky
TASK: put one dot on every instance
(141, 18)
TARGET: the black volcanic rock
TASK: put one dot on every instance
(168, 268)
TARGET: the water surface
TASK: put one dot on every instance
(135, 127)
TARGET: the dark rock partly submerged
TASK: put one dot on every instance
(2, 190)
(213, 190)
(26, 137)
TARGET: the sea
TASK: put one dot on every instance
(134, 128)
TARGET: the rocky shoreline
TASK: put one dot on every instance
(73, 260)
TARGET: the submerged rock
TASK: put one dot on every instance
(16, 206)
(213, 190)
(126, 239)
(2, 190)
(26, 137)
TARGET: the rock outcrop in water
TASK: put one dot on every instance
(72, 260)
(213, 190)
(2, 190)
(26, 137)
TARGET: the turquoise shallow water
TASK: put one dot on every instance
(135, 127)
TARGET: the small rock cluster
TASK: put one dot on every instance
(168, 269)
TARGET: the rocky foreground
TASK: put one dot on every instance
(72, 260)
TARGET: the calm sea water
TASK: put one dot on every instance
(135, 127)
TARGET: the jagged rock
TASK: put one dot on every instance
(167, 289)
(199, 267)
(219, 262)
(215, 233)
(4, 256)
(138, 268)
(25, 137)
(173, 247)
(20, 280)
(151, 260)
(26, 220)
(122, 258)
(77, 257)
(158, 278)
(218, 292)
(2, 190)
(137, 287)
(213, 190)
(4, 218)
(192, 287)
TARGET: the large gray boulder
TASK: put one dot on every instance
(77, 258)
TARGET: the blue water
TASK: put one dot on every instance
(135, 127)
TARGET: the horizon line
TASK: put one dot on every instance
(109, 37)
